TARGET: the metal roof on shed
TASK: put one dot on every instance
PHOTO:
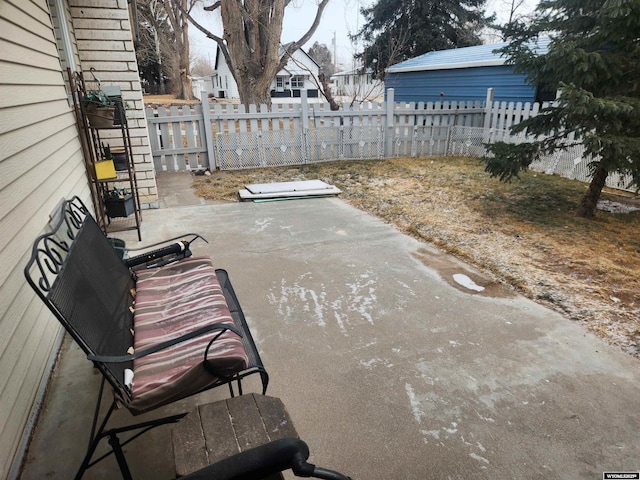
(465, 57)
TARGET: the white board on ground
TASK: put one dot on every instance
(280, 187)
(247, 195)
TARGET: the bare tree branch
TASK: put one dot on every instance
(305, 38)
(321, 82)
(251, 45)
(213, 6)
(208, 34)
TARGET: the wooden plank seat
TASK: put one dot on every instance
(212, 432)
(246, 437)
(156, 334)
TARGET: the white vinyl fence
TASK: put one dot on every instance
(228, 137)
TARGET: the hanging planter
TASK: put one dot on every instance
(99, 108)
(100, 116)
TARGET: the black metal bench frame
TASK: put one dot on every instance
(76, 247)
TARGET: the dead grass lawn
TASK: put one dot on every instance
(524, 233)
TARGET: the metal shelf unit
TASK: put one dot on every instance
(93, 140)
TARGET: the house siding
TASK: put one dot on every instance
(361, 87)
(226, 86)
(300, 64)
(104, 42)
(40, 163)
(460, 84)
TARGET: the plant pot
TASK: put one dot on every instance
(100, 116)
(118, 245)
(119, 207)
(120, 160)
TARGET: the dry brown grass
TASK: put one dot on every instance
(170, 100)
(166, 100)
(523, 233)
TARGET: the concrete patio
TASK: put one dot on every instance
(389, 367)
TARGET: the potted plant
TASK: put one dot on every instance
(104, 107)
(118, 202)
(100, 110)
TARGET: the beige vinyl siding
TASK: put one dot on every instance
(40, 163)
(104, 42)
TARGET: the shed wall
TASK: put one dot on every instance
(461, 84)
(40, 163)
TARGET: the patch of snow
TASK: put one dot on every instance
(432, 433)
(475, 456)
(415, 404)
(467, 282)
(615, 207)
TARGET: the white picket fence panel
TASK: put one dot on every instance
(228, 137)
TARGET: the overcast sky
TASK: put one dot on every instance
(340, 18)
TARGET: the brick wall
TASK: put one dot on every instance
(104, 40)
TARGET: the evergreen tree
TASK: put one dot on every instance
(396, 30)
(594, 61)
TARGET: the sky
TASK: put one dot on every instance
(340, 18)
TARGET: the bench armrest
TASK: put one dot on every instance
(268, 459)
(167, 251)
(161, 346)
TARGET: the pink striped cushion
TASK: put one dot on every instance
(171, 301)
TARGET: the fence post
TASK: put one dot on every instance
(304, 108)
(208, 135)
(389, 137)
(488, 106)
(304, 112)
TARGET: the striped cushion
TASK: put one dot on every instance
(171, 301)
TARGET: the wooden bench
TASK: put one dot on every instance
(160, 327)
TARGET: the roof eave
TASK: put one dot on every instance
(448, 66)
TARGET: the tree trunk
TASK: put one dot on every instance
(184, 89)
(328, 94)
(162, 89)
(254, 90)
(589, 201)
(186, 86)
(156, 42)
(180, 25)
(251, 42)
(252, 32)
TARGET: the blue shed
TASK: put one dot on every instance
(463, 74)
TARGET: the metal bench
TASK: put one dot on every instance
(160, 326)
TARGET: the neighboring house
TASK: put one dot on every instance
(463, 74)
(202, 84)
(41, 162)
(300, 73)
(357, 85)
(224, 85)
